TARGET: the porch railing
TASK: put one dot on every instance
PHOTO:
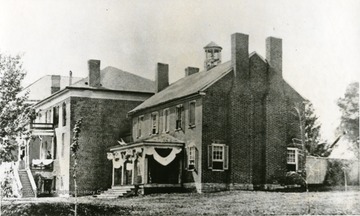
(42, 126)
(45, 164)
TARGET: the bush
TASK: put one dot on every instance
(293, 178)
(63, 209)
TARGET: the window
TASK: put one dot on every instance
(64, 114)
(179, 115)
(193, 157)
(46, 116)
(139, 126)
(192, 114)
(62, 144)
(56, 116)
(154, 123)
(166, 120)
(49, 116)
(292, 159)
(218, 157)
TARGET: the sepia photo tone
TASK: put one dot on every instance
(179, 107)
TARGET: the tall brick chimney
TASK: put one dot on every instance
(161, 77)
(70, 78)
(240, 55)
(55, 83)
(191, 70)
(274, 54)
(94, 72)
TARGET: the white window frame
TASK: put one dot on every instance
(64, 114)
(62, 144)
(154, 125)
(192, 124)
(166, 120)
(224, 156)
(296, 159)
(192, 158)
(181, 108)
(139, 128)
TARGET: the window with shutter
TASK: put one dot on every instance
(192, 158)
(154, 123)
(192, 114)
(218, 158)
(139, 126)
(166, 120)
(179, 117)
(64, 114)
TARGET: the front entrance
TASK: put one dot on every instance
(152, 163)
(160, 174)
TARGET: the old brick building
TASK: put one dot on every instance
(227, 127)
(103, 100)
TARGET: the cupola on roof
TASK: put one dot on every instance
(212, 45)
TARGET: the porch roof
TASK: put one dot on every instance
(160, 140)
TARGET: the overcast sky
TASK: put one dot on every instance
(321, 39)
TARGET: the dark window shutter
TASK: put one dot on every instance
(210, 156)
(183, 118)
(226, 157)
(186, 158)
(196, 159)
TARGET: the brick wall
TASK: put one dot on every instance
(259, 88)
(255, 121)
(102, 121)
(215, 126)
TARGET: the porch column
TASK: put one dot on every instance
(123, 173)
(145, 170)
(113, 176)
(180, 170)
(27, 156)
(133, 174)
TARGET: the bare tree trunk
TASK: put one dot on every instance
(1, 197)
(302, 134)
(345, 180)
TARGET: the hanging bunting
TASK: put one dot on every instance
(163, 160)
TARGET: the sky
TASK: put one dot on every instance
(321, 39)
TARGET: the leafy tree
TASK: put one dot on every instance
(14, 112)
(312, 131)
(349, 106)
(75, 146)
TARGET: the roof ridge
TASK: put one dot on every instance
(126, 72)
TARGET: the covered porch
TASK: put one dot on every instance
(153, 164)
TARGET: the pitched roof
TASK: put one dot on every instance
(116, 79)
(186, 86)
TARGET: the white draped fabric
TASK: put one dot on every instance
(118, 162)
(110, 156)
(43, 162)
(163, 160)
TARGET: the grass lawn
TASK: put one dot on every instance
(221, 203)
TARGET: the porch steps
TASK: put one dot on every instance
(27, 190)
(117, 191)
